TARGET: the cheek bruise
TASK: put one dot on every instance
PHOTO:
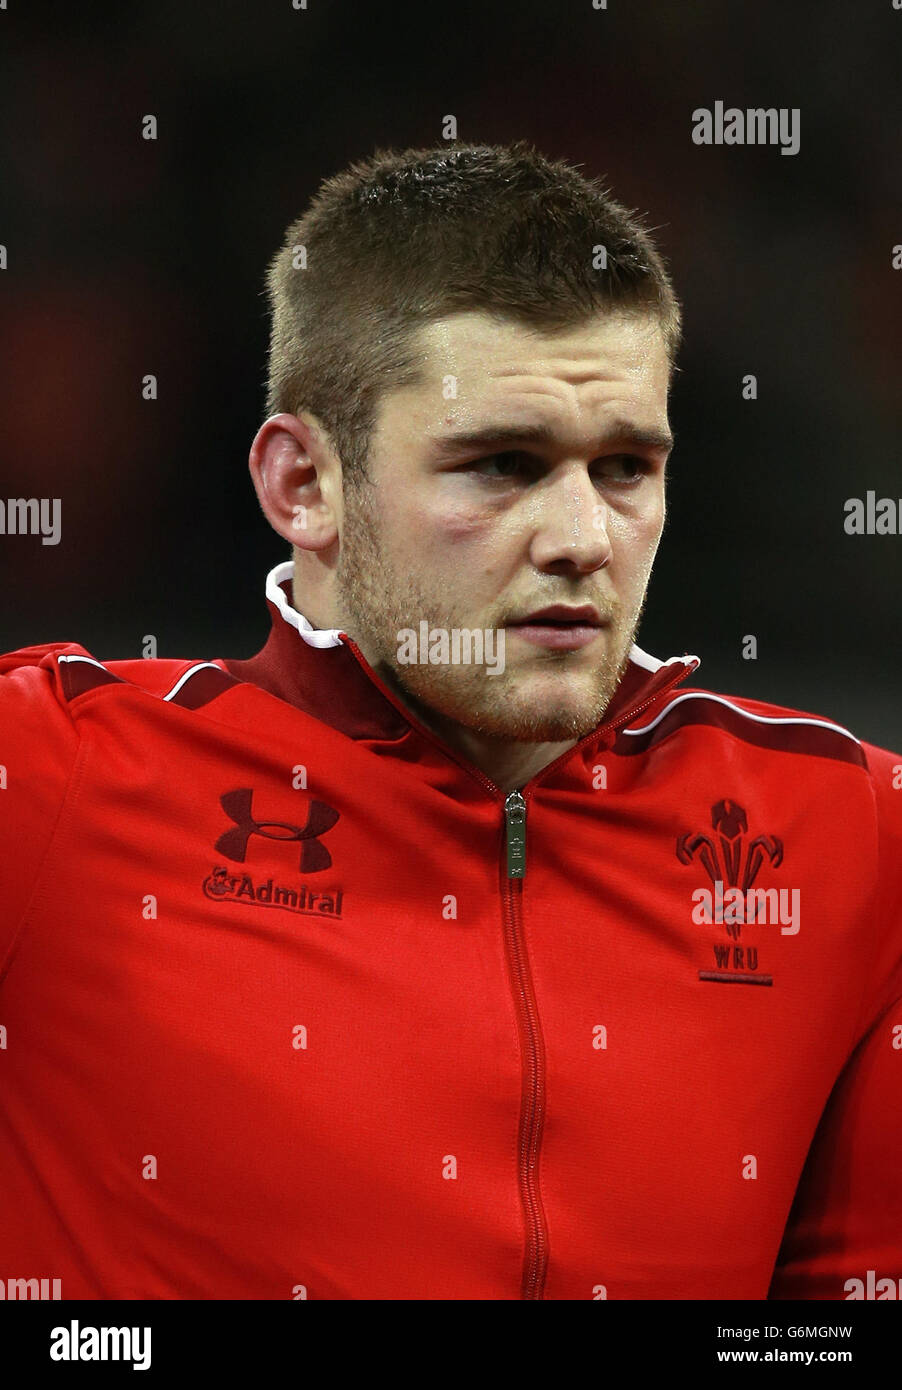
(459, 523)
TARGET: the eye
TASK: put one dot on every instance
(507, 465)
(624, 469)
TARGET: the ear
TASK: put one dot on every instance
(297, 478)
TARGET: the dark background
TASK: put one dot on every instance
(128, 257)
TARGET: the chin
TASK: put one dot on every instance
(538, 713)
(531, 727)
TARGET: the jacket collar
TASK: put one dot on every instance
(323, 672)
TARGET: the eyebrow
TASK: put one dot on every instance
(494, 436)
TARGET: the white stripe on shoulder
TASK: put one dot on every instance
(89, 659)
(313, 636)
(759, 718)
(192, 671)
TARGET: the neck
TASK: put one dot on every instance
(509, 766)
(507, 763)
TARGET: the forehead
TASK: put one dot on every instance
(473, 362)
(484, 343)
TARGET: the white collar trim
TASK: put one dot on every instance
(651, 663)
(331, 637)
(313, 636)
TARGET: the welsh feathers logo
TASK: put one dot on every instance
(729, 856)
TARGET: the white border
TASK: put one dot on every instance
(651, 663)
(192, 671)
(759, 718)
(313, 636)
(89, 659)
(331, 637)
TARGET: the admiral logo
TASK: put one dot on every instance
(223, 886)
(730, 857)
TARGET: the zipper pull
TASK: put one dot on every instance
(515, 833)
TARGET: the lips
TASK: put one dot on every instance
(560, 615)
(559, 629)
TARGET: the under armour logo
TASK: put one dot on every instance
(313, 855)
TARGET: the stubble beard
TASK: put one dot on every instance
(376, 602)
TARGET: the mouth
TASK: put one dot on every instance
(560, 629)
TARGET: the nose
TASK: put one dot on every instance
(571, 527)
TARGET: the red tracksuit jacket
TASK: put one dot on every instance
(296, 1003)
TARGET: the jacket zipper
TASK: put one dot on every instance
(532, 1104)
(532, 1107)
(469, 768)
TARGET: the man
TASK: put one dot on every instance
(446, 949)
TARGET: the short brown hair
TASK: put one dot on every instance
(400, 239)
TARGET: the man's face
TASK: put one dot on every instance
(478, 534)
